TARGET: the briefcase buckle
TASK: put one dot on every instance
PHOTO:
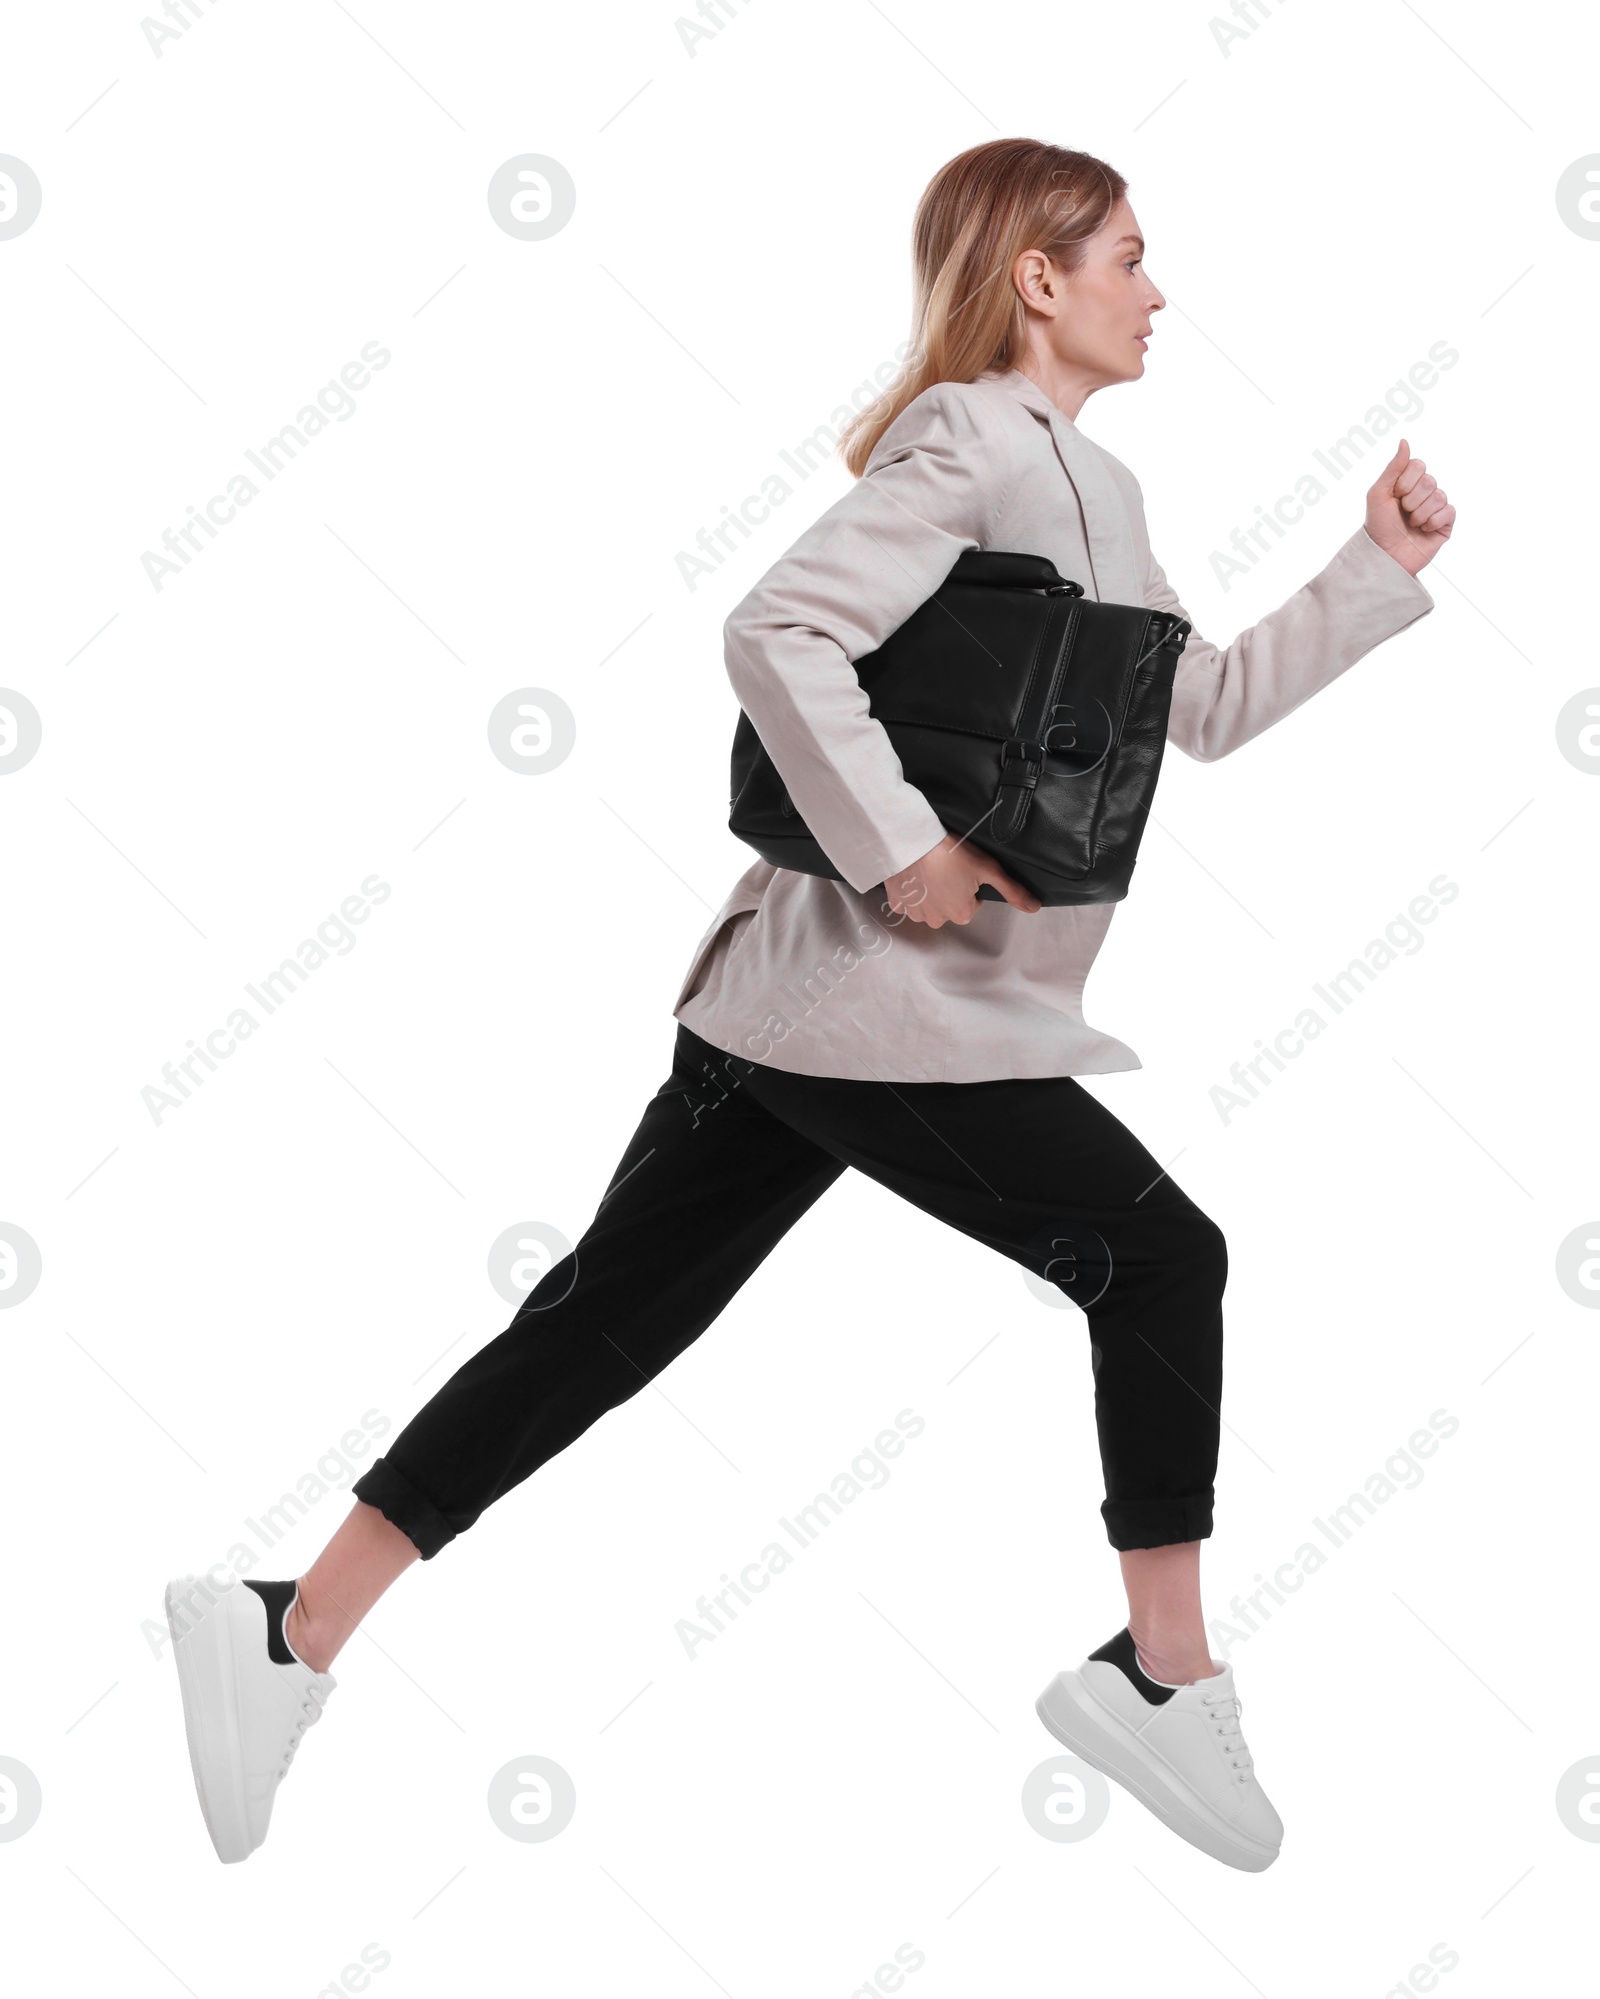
(1021, 762)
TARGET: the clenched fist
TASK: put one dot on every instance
(1408, 515)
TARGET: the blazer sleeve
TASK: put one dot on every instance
(1224, 695)
(934, 486)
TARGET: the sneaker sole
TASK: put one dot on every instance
(1074, 1716)
(204, 1655)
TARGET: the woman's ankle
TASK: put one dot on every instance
(1175, 1659)
(311, 1639)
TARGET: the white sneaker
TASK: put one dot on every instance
(248, 1700)
(1179, 1750)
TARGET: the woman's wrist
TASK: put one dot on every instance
(1410, 561)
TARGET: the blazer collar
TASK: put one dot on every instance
(1107, 529)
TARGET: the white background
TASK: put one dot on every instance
(227, 1290)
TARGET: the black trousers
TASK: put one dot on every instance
(727, 1157)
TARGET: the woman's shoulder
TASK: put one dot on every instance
(977, 416)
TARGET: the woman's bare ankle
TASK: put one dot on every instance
(316, 1640)
(364, 1557)
(1173, 1659)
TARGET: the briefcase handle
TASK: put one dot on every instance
(1005, 569)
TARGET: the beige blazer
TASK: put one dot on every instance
(819, 976)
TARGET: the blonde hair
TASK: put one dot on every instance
(977, 215)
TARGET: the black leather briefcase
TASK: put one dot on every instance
(1032, 719)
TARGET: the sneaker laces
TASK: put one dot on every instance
(310, 1713)
(1224, 1717)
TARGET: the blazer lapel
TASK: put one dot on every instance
(1115, 578)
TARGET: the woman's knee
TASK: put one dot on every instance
(1209, 1253)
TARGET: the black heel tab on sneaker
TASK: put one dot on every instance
(277, 1597)
(1122, 1653)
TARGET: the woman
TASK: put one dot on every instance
(893, 1022)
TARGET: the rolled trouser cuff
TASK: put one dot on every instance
(401, 1504)
(1156, 1523)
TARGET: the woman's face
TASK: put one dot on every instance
(1097, 322)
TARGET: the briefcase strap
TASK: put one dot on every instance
(1021, 766)
(1022, 756)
